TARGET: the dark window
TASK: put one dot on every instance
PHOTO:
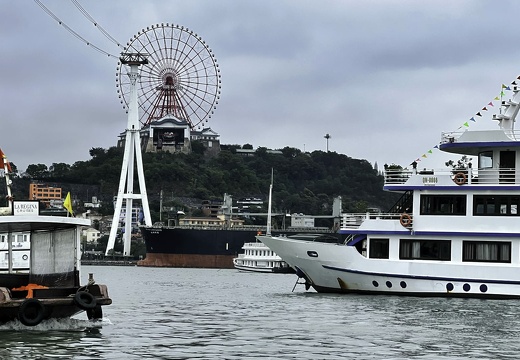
(425, 249)
(486, 251)
(443, 204)
(379, 248)
(496, 205)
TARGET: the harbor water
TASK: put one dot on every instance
(166, 313)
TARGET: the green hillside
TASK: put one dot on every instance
(303, 182)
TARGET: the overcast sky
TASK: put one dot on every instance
(383, 78)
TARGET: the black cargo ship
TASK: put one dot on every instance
(213, 241)
(206, 247)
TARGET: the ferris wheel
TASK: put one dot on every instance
(181, 76)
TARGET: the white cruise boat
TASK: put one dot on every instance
(454, 232)
(257, 257)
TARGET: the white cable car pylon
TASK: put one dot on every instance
(132, 158)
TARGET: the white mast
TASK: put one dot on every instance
(132, 147)
(268, 232)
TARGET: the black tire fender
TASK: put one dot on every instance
(85, 300)
(95, 314)
(31, 312)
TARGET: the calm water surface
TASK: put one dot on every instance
(226, 314)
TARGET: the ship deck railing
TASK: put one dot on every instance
(471, 176)
(455, 136)
(354, 220)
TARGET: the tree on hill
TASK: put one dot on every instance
(303, 182)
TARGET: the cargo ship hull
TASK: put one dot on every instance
(200, 247)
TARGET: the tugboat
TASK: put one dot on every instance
(50, 287)
(455, 232)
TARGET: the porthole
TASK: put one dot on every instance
(466, 287)
(403, 284)
(375, 283)
(483, 288)
(388, 284)
(449, 287)
(25, 257)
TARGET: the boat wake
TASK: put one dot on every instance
(66, 324)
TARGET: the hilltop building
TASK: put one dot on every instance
(173, 135)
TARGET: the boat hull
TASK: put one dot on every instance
(337, 268)
(52, 303)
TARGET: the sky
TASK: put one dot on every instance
(383, 78)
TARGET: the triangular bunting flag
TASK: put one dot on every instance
(502, 93)
(491, 104)
(484, 108)
(473, 119)
(513, 83)
(503, 86)
(430, 152)
(436, 146)
(424, 156)
(496, 98)
(508, 88)
(478, 114)
(466, 124)
(518, 78)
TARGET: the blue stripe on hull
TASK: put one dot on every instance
(423, 277)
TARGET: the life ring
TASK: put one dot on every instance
(31, 312)
(85, 300)
(460, 178)
(405, 220)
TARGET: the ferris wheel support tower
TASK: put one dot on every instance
(132, 158)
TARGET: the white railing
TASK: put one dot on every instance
(355, 220)
(506, 176)
(453, 136)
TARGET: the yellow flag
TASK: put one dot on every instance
(67, 204)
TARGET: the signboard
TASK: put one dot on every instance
(26, 208)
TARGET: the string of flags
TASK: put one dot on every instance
(474, 118)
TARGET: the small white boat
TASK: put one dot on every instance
(257, 257)
(454, 232)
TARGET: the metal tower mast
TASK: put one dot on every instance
(132, 156)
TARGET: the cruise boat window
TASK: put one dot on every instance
(425, 249)
(486, 251)
(485, 159)
(495, 205)
(379, 248)
(443, 204)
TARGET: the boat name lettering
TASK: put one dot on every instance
(429, 180)
(26, 207)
